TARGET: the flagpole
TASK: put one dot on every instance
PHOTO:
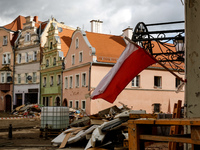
(158, 61)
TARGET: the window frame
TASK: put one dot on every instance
(3, 77)
(5, 40)
(26, 57)
(71, 82)
(70, 103)
(18, 78)
(80, 57)
(51, 80)
(34, 77)
(83, 79)
(58, 79)
(77, 43)
(26, 75)
(34, 55)
(66, 82)
(156, 81)
(73, 59)
(44, 81)
(135, 82)
(77, 80)
(27, 37)
(19, 58)
(76, 102)
(82, 104)
(7, 58)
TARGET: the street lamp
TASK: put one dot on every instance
(167, 46)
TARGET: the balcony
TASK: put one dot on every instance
(4, 87)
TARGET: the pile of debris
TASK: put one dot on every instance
(27, 110)
(106, 129)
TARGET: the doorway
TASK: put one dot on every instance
(8, 103)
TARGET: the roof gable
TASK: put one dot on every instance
(17, 24)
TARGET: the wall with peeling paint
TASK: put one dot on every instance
(192, 14)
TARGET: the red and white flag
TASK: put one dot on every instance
(132, 61)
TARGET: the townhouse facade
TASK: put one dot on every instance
(56, 46)
(8, 35)
(27, 63)
(89, 59)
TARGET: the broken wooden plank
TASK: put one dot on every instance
(64, 142)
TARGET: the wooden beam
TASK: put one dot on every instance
(169, 139)
(135, 116)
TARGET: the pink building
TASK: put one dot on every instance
(90, 57)
(8, 35)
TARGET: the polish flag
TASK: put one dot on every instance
(132, 61)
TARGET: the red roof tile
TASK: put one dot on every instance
(65, 37)
(108, 47)
(17, 24)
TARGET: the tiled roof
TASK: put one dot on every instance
(17, 24)
(65, 37)
(108, 47)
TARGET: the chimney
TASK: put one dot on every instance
(128, 32)
(96, 26)
(36, 18)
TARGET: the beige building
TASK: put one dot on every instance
(89, 59)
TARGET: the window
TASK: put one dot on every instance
(156, 107)
(135, 82)
(77, 43)
(44, 81)
(83, 104)
(26, 57)
(70, 82)
(77, 80)
(51, 45)
(34, 55)
(8, 75)
(19, 78)
(70, 104)
(80, 56)
(47, 63)
(54, 61)
(157, 81)
(178, 82)
(19, 58)
(59, 79)
(66, 82)
(27, 37)
(77, 104)
(51, 84)
(26, 75)
(83, 79)
(2, 77)
(45, 101)
(73, 59)
(6, 58)
(34, 77)
(5, 40)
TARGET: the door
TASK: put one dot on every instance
(8, 103)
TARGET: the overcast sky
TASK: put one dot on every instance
(115, 14)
